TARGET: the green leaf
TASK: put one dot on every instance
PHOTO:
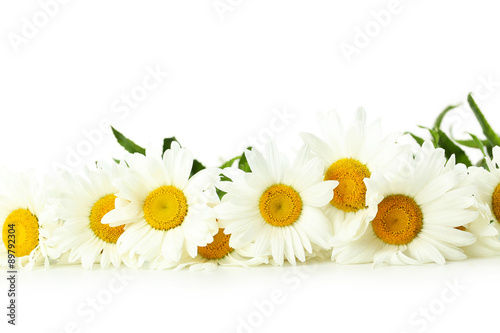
(220, 192)
(482, 164)
(243, 163)
(439, 119)
(197, 167)
(487, 130)
(451, 148)
(128, 144)
(230, 162)
(489, 150)
(167, 143)
(418, 139)
(434, 134)
(473, 143)
(478, 143)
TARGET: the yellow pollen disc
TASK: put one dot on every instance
(218, 249)
(25, 226)
(461, 228)
(496, 202)
(280, 205)
(398, 220)
(104, 231)
(165, 208)
(350, 194)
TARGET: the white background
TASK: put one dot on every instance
(229, 74)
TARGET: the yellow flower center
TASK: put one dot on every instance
(350, 194)
(496, 202)
(25, 230)
(398, 220)
(280, 205)
(218, 249)
(104, 231)
(165, 208)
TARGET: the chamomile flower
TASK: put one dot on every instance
(487, 225)
(84, 201)
(277, 205)
(487, 242)
(419, 213)
(217, 253)
(27, 220)
(164, 211)
(350, 157)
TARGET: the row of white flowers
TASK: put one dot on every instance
(351, 195)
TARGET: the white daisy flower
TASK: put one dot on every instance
(215, 254)
(84, 201)
(277, 205)
(419, 213)
(487, 226)
(487, 243)
(218, 253)
(350, 157)
(164, 210)
(27, 220)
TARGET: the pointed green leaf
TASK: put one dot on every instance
(128, 144)
(167, 143)
(451, 148)
(482, 164)
(434, 134)
(220, 192)
(230, 162)
(478, 143)
(489, 150)
(418, 139)
(243, 163)
(473, 143)
(487, 130)
(197, 166)
(439, 119)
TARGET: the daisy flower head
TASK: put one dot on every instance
(84, 201)
(164, 211)
(350, 156)
(488, 184)
(277, 205)
(487, 194)
(487, 243)
(215, 254)
(27, 220)
(420, 212)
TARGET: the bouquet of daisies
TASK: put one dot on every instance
(349, 194)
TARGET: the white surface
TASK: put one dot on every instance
(225, 79)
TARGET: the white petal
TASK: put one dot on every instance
(320, 194)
